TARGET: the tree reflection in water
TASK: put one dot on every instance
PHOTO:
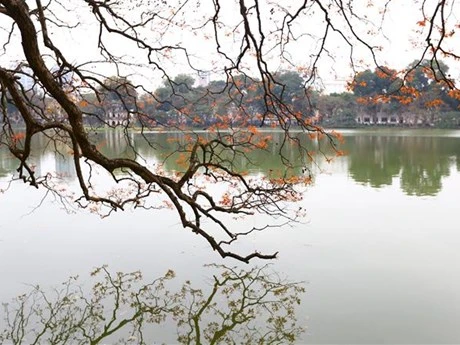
(416, 160)
(420, 162)
(253, 306)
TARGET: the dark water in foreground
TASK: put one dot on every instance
(379, 252)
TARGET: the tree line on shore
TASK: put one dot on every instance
(418, 96)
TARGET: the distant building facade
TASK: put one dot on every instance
(203, 78)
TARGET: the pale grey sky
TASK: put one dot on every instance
(398, 40)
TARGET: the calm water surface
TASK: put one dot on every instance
(379, 252)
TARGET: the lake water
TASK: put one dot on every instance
(379, 251)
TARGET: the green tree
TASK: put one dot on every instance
(118, 90)
(338, 109)
(426, 74)
(382, 81)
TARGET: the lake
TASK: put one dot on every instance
(378, 252)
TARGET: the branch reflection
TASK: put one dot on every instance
(254, 306)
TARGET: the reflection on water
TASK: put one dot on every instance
(253, 306)
(419, 161)
(381, 263)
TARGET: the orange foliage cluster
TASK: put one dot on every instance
(382, 99)
(340, 153)
(454, 94)
(408, 90)
(83, 103)
(338, 136)
(406, 93)
(306, 180)
(303, 70)
(201, 140)
(421, 23)
(260, 142)
(386, 75)
(253, 130)
(316, 135)
(226, 200)
(16, 137)
(362, 100)
(434, 103)
(182, 159)
(405, 100)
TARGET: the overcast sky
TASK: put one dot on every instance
(398, 40)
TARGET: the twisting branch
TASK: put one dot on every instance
(71, 95)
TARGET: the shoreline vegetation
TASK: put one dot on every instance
(379, 98)
(364, 128)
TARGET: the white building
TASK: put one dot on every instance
(203, 78)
